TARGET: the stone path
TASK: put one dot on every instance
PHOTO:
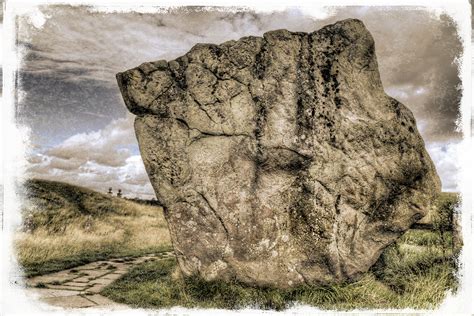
(79, 287)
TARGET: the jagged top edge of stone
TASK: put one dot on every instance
(348, 26)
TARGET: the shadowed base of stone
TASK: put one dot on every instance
(80, 287)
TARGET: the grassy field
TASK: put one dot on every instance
(66, 226)
(415, 272)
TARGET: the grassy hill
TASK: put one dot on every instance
(65, 225)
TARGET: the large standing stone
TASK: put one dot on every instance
(280, 160)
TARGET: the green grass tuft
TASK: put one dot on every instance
(416, 272)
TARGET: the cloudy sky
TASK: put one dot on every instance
(81, 132)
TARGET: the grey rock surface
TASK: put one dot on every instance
(280, 160)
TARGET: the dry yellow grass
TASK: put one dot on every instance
(58, 235)
(140, 232)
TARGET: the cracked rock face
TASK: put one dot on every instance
(280, 160)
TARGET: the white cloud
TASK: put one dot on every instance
(97, 160)
(124, 40)
(108, 146)
(445, 156)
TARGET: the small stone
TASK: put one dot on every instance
(161, 64)
(174, 65)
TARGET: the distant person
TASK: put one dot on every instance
(119, 193)
(110, 191)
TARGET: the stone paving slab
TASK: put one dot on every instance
(102, 281)
(83, 279)
(53, 293)
(100, 300)
(95, 273)
(76, 284)
(66, 287)
(49, 278)
(111, 276)
(80, 287)
(120, 265)
(69, 301)
(96, 288)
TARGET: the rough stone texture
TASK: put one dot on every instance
(280, 160)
